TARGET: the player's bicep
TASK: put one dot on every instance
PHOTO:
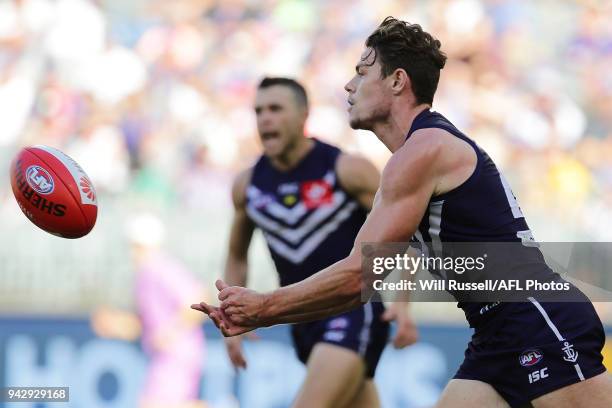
(407, 185)
(394, 220)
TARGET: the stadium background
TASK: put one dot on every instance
(153, 99)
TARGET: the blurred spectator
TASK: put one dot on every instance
(171, 333)
(172, 336)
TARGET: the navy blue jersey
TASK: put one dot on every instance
(308, 220)
(483, 209)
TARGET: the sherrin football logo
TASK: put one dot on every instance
(530, 357)
(40, 180)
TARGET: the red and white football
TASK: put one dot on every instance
(54, 192)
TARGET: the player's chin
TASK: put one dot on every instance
(273, 152)
(356, 123)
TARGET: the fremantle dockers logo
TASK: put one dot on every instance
(39, 179)
(530, 357)
(571, 355)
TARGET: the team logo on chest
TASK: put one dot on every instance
(289, 193)
(316, 193)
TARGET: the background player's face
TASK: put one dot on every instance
(280, 119)
(368, 94)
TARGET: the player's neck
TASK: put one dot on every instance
(393, 131)
(289, 160)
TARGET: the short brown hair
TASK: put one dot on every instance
(399, 44)
(298, 90)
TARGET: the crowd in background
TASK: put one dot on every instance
(154, 98)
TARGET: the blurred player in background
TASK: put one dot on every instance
(171, 337)
(440, 187)
(310, 200)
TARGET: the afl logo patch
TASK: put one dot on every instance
(40, 180)
(530, 357)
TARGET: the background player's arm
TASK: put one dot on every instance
(236, 264)
(359, 178)
(408, 182)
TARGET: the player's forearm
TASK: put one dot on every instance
(333, 290)
(236, 272)
(320, 314)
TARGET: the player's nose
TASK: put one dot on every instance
(349, 86)
(264, 119)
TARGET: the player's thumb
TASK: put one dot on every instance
(221, 285)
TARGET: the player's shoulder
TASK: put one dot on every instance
(429, 156)
(420, 152)
(239, 186)
(355, 172)
(352, 164)
(415, 164)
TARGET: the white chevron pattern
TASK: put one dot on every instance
(295, 235)
(300, 253)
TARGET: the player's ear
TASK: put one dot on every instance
(399, 81)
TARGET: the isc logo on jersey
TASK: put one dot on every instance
(40, 180)
(530, 357)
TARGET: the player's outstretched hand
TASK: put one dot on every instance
(241, 306)
(407, 332)
(220, 320)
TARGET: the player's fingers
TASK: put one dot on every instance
(230, 310)
(237, 318)
(215, 319)
(197, 307)
(203, 307)
(225, 293)
(224, 330)
(221, 285)
(228, 304)
(405, 338)
(398, 342)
